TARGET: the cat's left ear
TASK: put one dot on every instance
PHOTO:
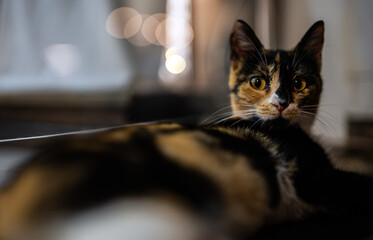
(243, 41)
(312, 43)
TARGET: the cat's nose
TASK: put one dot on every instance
(280, 106)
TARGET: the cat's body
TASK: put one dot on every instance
(258, 168)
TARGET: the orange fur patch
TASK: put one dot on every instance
(243, 188)
(277, 58)
(248, 98)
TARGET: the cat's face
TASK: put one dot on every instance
(276, 84)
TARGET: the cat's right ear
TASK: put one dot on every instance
(243, 41)
(312, 43)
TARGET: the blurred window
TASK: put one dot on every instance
(60, 46)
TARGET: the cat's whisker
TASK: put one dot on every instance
(225, 119)
(237, 112)
(323, 122)
(257, 121)
(247, 116)
(216, 118)
(233, 112)
(326, 127)
(241, 115)
(216, 114)
(247, 105)
(221, 109)
(329, 115)
(236, 122)
(245, 110)
(322, 105)
(219, 114)
(326, 118)
(310, 106)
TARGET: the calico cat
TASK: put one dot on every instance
(222, 181)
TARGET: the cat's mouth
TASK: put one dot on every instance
(272, 111)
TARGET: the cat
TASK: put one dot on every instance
(228, 180)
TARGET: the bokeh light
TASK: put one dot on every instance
(160, 33)
(148, 29)
(175, 64)
(138, 39)
(171, 51)
(62, 59)
(143, 30)
(132, 26)
(180, 30)
(118, 19)
(160, 36)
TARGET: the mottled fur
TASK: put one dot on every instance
(279, 69)
(232, 178)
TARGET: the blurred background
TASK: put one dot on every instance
(82, 64)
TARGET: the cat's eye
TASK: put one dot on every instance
(258, 83)
(299, 84)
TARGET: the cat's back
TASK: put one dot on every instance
(213, 171)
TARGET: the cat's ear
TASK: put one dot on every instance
(243, 40)
(312, 43)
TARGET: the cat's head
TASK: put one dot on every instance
(276, 84)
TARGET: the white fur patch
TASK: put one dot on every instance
(291, 206)
(273, 99)
(137, 219)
